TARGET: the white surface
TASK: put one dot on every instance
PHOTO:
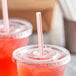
(57, 30)
(71, 67)
(46, 38)
(69, 9)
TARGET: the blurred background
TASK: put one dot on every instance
(58, 22)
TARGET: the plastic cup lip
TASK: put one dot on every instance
(23, 34)
(63, 61)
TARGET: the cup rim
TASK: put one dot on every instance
(62, 61)
(23, 34)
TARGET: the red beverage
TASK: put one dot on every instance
(9, 42)
(39, 70)
(30, 63)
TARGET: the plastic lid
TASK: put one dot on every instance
(53, 55)
(18, 28)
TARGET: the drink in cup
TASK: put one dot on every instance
(31, 63)
(19, 32)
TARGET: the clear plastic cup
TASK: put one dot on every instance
(30, 63)
(18, 36)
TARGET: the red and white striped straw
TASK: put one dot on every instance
(5, 15)
(40, 33)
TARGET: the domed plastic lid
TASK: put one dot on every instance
(53, 55)
(18, 28)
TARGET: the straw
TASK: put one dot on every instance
(5, 15)
(40, 34)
